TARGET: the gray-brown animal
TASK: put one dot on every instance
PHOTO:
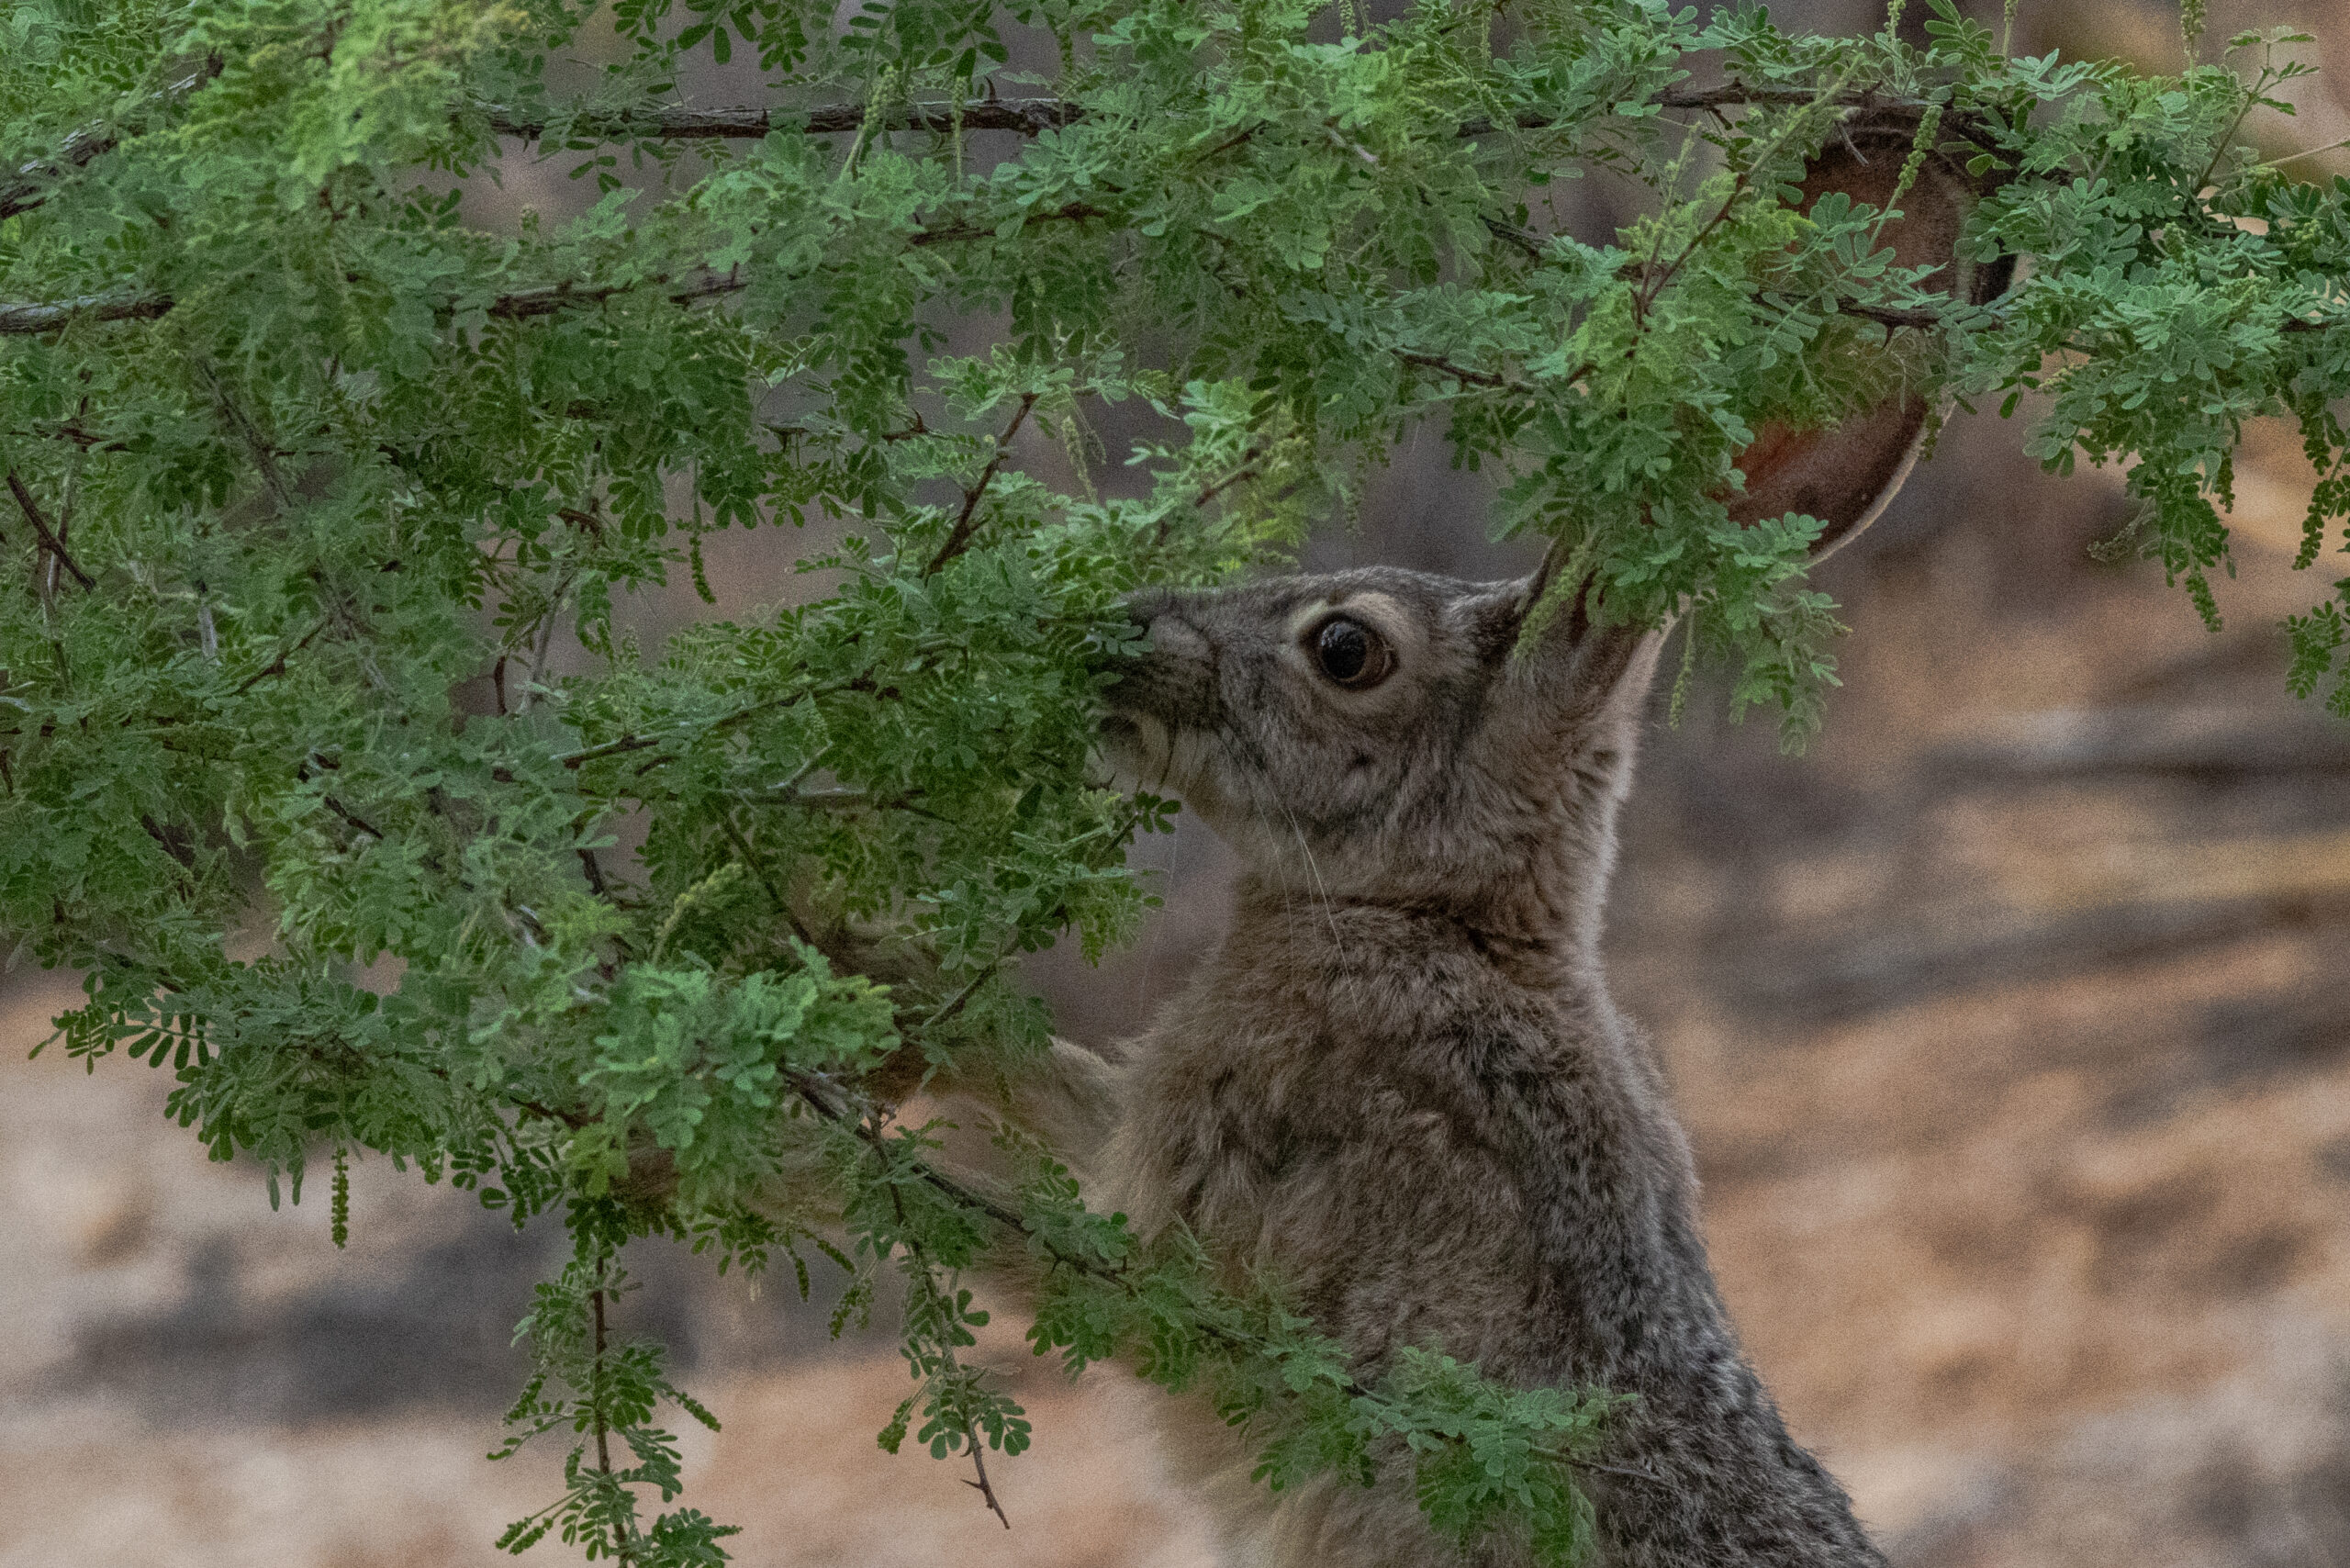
(1401, 1085)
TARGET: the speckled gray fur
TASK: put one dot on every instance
(1400, 1084)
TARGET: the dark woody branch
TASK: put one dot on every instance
(675, 122)
(548, 299)
(49, 316)
(50, 538)
(1027, 116)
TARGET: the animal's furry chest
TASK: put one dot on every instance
(1368, 1189)
(1423, 1153)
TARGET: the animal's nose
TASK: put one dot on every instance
(1176, 655)
(1145, 608)
(1171, 676)
(1158, 611)
(1119, 658)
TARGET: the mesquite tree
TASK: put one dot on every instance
(307, 466)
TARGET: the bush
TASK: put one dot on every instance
(308, 470)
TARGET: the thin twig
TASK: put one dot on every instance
(1924, 320)
(624, 745)
(968, 523)
(264, 455)
(544, 639)
(1647, 296)
(957, 1003)
(547, 300)
(49, 541)
(1459, 372)
(2220, 149)
(1244, 134)
(1071, 212)
(596, 1374)
(64, 531)
(352, 817)
(979, 1463)
(627, 1544)
(938, 1308)
(759, 868)
(1510, 233)
(2304, 152)
(88, 440)
(800, 773)
(35, 182)
(277, 666)
(1249, 462)
(619, 747)
(37, 318)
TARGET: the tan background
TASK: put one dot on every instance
(2013, 1026)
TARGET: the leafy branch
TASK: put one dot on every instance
(326, 517)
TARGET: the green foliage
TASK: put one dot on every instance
(602, 1392)
(310, 462)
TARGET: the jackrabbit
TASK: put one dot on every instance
(1400, 1085)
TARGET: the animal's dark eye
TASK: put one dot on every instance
(1351, 653)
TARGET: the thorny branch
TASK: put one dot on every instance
(50, 538)
(979, 1463)
(967, 522)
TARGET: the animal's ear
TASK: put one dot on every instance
(1844, 475)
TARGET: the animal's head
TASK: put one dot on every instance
(1369, 735)
(1372, 735)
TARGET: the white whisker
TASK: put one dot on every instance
(1330, 909)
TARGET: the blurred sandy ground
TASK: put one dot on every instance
(2013, 1026)
(190, 1380)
